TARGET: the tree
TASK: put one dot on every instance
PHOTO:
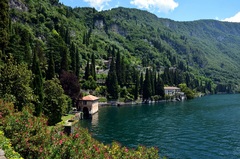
(122, 70)
(93, 71)
(51, 67)
(160, 87)
(187, 91)
(147, 88)
(54, 101)
(70, 85)
(15, 81)
(37, 83)
(73, 57)
(89, 84)
(141, 84)
(136, 91)
(118, 68)
(64, 61)
(77, 63)
(4, 24)
(87, 71)
(111, 82)
(59, 51)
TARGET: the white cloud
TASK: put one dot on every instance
(98, 4)
(161, 5)
(235, 18)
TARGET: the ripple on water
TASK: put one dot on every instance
(207, 127)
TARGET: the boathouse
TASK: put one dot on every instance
(88, 105)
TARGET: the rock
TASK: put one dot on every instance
(2, 153)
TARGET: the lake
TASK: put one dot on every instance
(207, 127)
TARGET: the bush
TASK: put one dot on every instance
(6, 146)
(32, 138)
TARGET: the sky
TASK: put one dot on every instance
(178, 10)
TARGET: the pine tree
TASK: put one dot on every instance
(111, 82)
(37, 83)
(4, 24)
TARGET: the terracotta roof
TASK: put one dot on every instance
(89, 98)
(171, 88)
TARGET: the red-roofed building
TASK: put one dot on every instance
(88, 105)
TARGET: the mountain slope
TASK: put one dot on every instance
(206, 48)
(211, 47)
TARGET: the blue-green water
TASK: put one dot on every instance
(207, 127)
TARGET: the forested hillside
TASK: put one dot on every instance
(119, 53)
(51, 55)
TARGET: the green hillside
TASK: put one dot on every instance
(206, 50)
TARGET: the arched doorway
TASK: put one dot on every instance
(85, 113)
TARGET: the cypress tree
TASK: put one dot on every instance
(77, 64)
(141, 84)
(84, 38)
(111, 82)
(4, 25)
(87, 71)
(136, 91)
(37, 83)
(118, 68)
(160, 87)
(93, 70)
(67, 37)
(64, 61)
(73, 57)
(51, 67)
(147, 88)
(122, 71)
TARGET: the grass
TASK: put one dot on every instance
(67, 117)
(64, 119)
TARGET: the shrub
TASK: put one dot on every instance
(6, 146)
(31, 138)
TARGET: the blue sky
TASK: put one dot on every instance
(178, 10)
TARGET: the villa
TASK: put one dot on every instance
(174, 92)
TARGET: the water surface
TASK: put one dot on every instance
(207, 127)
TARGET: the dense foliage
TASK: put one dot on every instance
(32, 138)
(47, 50)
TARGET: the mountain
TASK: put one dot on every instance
(206, 50)
(209, 47)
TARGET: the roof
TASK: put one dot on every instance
(89, 98)
(171, 88)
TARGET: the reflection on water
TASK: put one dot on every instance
(94, 119)
(207, 127)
